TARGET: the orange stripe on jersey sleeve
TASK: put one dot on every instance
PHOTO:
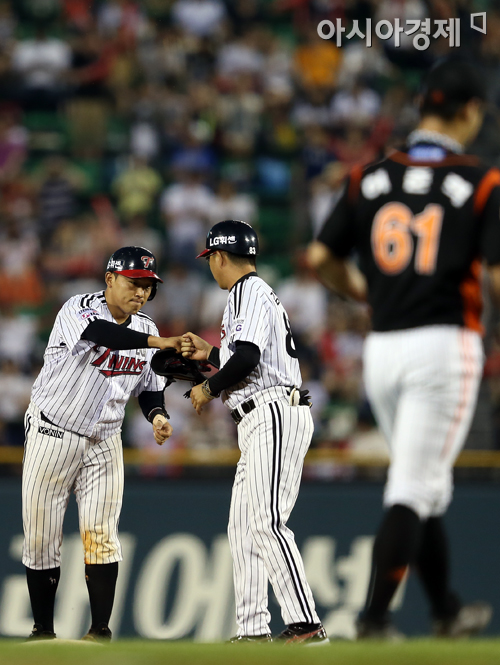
(483, 190)
(470, 290)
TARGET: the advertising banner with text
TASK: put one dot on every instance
(176, 578)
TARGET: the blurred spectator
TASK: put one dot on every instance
(356, 104)
(325, 192)
(87, 112)
(341, 348)
(137, 233)
(79, 249)
(399, 111)
(317, 151)
(42, 64)
(277, 69)
(228, 204)
(15, 392)
(241, 56)
(58, 183)
(91, 61)
(77, 14)
(168, 61)
(355, 147)
(213, 429)
(7, 24)
(186, 205)
(193, 152)
(123, 19)
(20, 281)
(177, 303)
(240, 116)
(137, 187)
(305, 300)
(13, 146)
(313, 108)
(316, 61)
(201, 18)
(17, 336)
(278, 135)
(202, 109)
(212, 308)
(357, 60)
(144, 141)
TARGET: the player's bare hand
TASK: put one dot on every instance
(165, 343)
(162, 429)
(198, 399)
(194, 347)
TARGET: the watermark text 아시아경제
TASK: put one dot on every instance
(420, 30)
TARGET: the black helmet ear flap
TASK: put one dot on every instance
(154, 288)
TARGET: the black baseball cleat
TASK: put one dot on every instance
(100, 634)
(471, 619)
(367, 629)
(38, 633)
(237, 639)
(309, 634)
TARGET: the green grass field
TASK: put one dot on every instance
(139, 652)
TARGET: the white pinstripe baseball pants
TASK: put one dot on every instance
(273, 440)
(422, 384)
(55, 463)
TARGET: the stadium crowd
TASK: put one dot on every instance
(143, 123)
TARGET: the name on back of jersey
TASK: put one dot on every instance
(418, 180)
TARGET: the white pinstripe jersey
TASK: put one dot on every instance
(84, 388)
(254, 314)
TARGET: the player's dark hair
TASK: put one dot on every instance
(448, 86)
(241, 261)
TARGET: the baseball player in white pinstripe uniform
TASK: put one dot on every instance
(259, 381)
(422, 221)
(97, 356)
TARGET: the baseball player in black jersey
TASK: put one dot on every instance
(97, 356)
(259, 380)
(422, 222)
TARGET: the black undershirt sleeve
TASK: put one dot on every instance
(151, 403)
(242, 363)
(114, 336)
(214, 357)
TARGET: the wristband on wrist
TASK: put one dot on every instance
(205, 389)
(158, 411)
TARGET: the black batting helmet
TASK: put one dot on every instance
(231, 236)
(135, 262)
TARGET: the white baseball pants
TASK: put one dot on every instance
(273, 440)
(422, 384)
(55, 463)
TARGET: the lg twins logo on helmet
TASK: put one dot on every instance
(115, 264)
(147, 260)
(222, 240)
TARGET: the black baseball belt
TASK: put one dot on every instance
(246, 407)
(250, 405)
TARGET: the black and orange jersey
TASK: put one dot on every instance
(422, 221)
